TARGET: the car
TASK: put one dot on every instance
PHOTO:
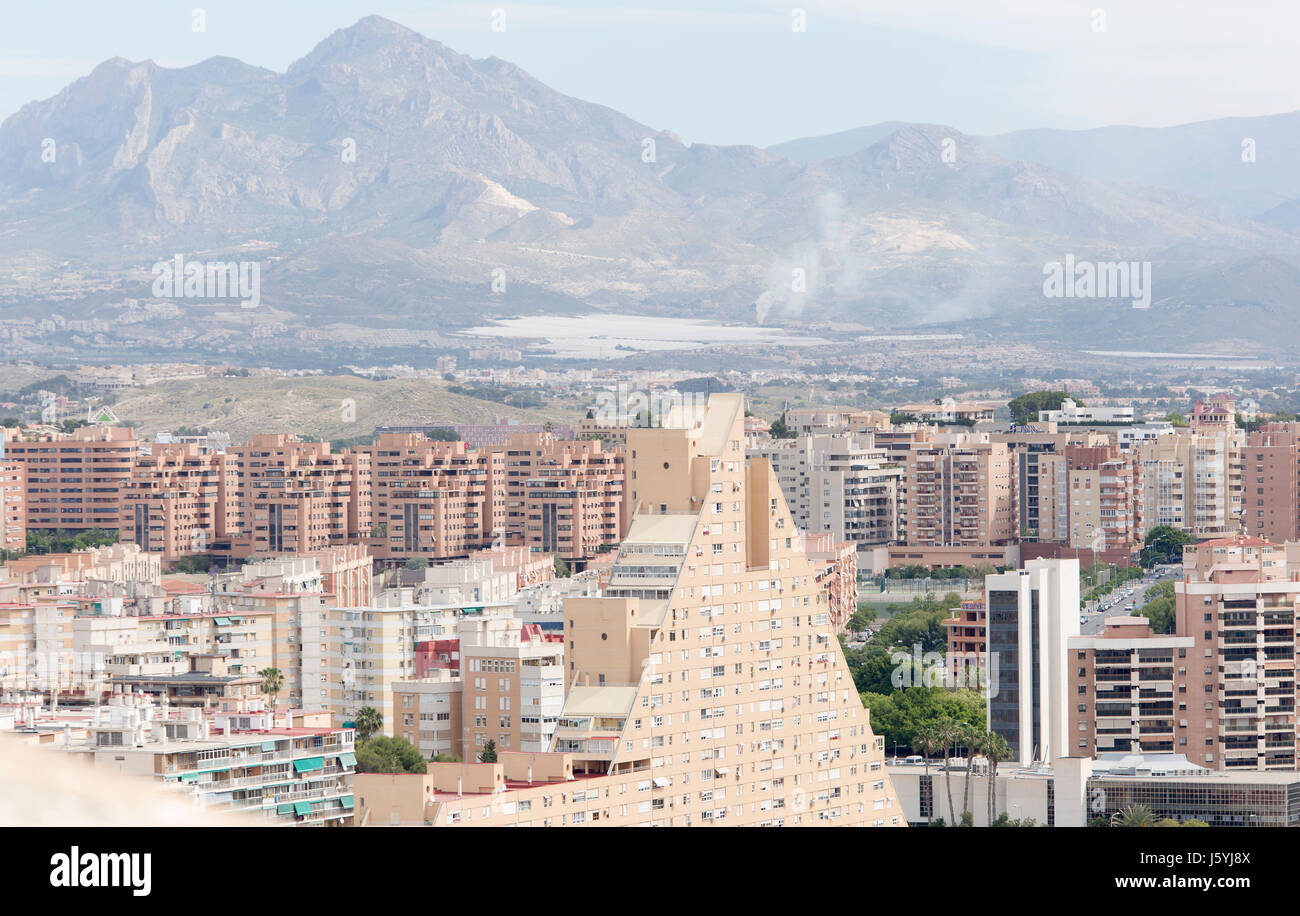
(1083, 620)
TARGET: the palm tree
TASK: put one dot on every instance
(927, 740)
(995, 750)
(367, 721)
(948, 729)
(272, 684)
(969, 737)
(1133, 816)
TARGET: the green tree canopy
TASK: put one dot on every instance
(779, 430)
(903, 714)
(383, 754)
(489, 754)
(1025, 408)
(1159, 607)
(368, 720)
(1164, 544)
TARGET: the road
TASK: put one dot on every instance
(1096, 620)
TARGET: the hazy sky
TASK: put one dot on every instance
(731, 72)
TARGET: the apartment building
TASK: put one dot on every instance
(180, 500)
(434, 499)
(294, 774)
(37, 643)
(563, 497)
(428, 710)
(842, 485)
(837, 575)
(1193, 480)
(1271, 483)
(807, 421)
(1239, 602)
(960, 495)
(514, 682)
(122, 645)
(1128, 690)
(13, 505)
(352, 656)
(502, 681)
(1031, 615)
(1104, 493)
(75, 480)
(967, 631)
(1073, 412)
(299, 497)
(707, 683)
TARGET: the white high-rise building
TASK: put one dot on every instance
(1032, 613)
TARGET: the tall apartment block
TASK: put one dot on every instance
(707, 683)
(13, 505)
(510, 691)
(434, 499)
(1104, 491)
(563, 496)
(300, 496)
(1271, 483)
(967, 631)
(1031, 614)
(1240, 603)
(960, 495)
(1129, 691)
(1193, 480)
(75, 480)
(839, 484)
(181, 500)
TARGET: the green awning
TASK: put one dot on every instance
(309, 764)
(222, 621)
(349, 725)
(189, 777)
(303, 808)
(268, 745)
(284, 809)
(348, 760)
(347, 801)
(225, 769)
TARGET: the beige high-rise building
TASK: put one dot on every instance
(75, 480)
(1240, 602)
(1193, 480)
(960, 495)
(180, 500)
(707, 685)
(841, 484)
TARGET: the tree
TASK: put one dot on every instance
(1159, 607)
(383, 754)
(927, 740)
(368, 721)
(272, 683)
(969, 737)
(995, 750)
(1025, 408)
(1133, 816)
(901, 714)
(417, 563)
(779, 429)
(1164, 544)
(1177, 419)
(561, 567)
(489, 754)
(948, 730)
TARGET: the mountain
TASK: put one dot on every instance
(1245, 165)
(387, 180)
